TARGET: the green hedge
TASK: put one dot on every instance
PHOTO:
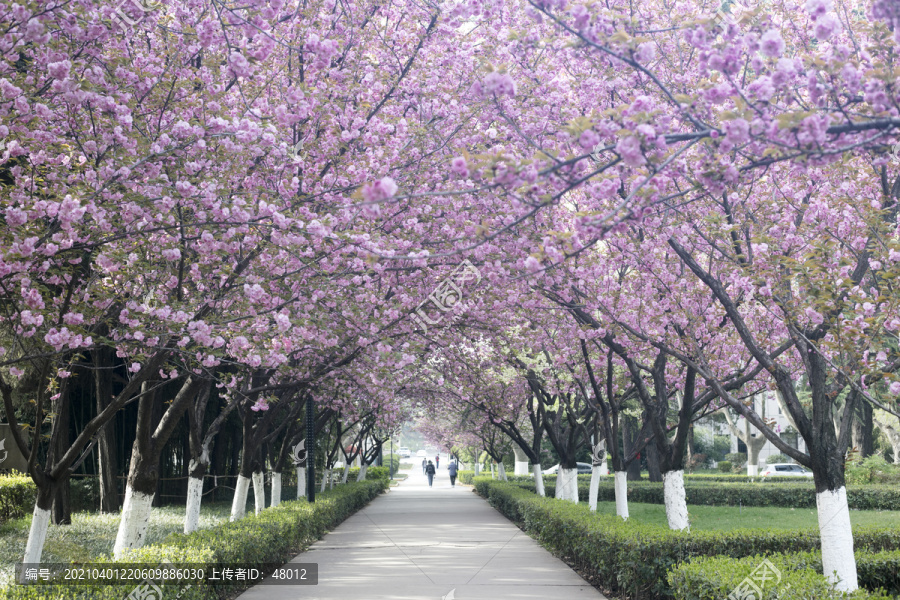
(273, 536)
(714, 577)
(465, 477)
(17, 495)
(861, 497)
(632, 558)
(371, 473)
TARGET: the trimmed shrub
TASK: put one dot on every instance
(633, 558)
(273, 536)
(715, 577)
(725, 466)
(796, 495)
(742, 478)
(873, 469)
(17, 496)
(778, 458)
(738, 459)
(371, 473)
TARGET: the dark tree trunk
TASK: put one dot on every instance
(863, 430)
(653, 463)
(143, 468)
(152, 434)
(630, 436)
(106, 437)
(61, 513)
(825, 453)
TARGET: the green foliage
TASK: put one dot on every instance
(632, 558)
(715, 577)
(715, 447)
(387, 459)
(273, 536)
(778, 458)
(17, 495)
(790, 495)
(84, 494)
(465, 477)
(873, 469)
(742, 478)
(738, 459)
(371, 473)
(725, 466)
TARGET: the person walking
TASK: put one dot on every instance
(437, 461)
(430, 470)
(452, 468)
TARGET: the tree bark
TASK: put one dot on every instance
(143, 472)
(40, 522)
(863, 431)
(675, 500)
(633, 469)
(621, 494)
(106, 436)
(653, 463)
(62, 507)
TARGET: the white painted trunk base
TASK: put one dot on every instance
(492, 470)
(326, 475)
(501, 472)
(301, 482)
(37, 535)
(604, 469)
(194, 499)
(538, 474)
(346, 473)
(567, 484)
(133, 525)
(622, 494)
(239, 503)
(276, 490)
(676, 500)
(752, 470)
(362, 472)
(477, 469)
(595, 487)
(838, 561)
(521, 467)
(259, 492)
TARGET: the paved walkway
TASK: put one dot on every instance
(416, 542)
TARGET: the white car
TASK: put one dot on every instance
(421, 454)
(405, 453)
(583, 468)
(785, 470)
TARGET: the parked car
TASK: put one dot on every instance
(785, 470)
(405, 453)
(421, 454)
(583, 468)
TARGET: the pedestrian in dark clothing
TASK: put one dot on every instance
(429, 470)
(424, 462)
(452, 469)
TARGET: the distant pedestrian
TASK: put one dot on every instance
(430, 470)
(452, 469)
(424, 462)
(437, 461)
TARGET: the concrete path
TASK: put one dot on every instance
(416, 542)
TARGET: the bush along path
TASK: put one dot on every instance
(273, 537)
(633, 559)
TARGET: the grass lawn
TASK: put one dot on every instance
(92, 535)
(733, 517)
